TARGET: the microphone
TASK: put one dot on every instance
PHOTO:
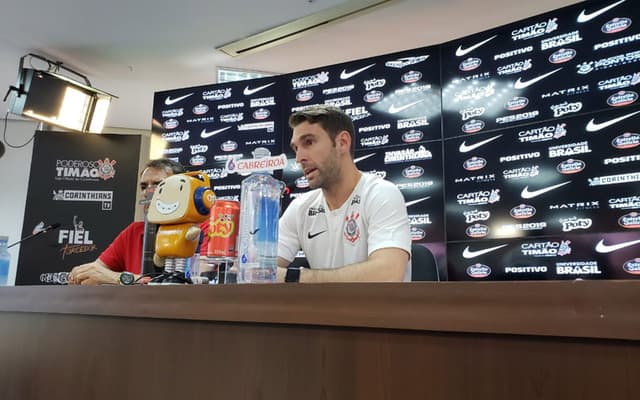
(40, 232)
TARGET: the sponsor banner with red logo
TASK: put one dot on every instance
(578, 59)
(571, 256)
(523, 131)
(86, 184)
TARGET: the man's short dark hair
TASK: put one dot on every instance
(170, 166)
(331, 119)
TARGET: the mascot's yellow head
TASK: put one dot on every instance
(182, 198)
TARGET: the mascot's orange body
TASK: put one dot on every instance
(179, 204)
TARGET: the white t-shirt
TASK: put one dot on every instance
(373, 217)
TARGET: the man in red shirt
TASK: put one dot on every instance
(124, 254)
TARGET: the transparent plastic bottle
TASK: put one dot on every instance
(5, 259)
(258, 233)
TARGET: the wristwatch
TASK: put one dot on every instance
(293, 275)
(127, 278)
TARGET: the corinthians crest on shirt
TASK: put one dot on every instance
(351, 228)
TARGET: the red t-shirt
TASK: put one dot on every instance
(125, 252)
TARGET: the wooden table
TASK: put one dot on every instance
(433, 340)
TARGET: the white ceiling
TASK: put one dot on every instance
(132, 48)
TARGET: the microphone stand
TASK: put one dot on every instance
(46, 229)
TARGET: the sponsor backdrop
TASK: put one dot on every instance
(87, 184)
(525, 134)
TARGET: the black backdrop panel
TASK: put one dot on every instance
(544, 179)
(85, 182)
(204, 126)
(578, 59)
(393, 99)
(539, 120)
(588, 256)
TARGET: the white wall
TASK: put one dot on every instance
(14, 178)
(15, 166)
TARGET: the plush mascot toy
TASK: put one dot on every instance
(179, 204)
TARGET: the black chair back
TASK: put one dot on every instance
(423, 264)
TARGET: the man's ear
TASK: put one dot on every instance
(343, 141)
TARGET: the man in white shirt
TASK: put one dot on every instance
(353, 227)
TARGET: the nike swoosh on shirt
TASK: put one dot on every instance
(412, 202)
(592, 126)
(355, 161)
(521, 85)
(472, 254)
(394, 110)
(249, 92)
(206, 134)
(526, 194)
(464, 147)
(462, 52)
(584, 17)
(608, 248)
(346, 75)
(254, 231)
(169, 101)
(311, 236)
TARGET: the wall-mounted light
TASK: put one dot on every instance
(55, 99)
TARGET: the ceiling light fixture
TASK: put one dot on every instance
(295, 29)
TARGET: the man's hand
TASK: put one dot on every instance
(93, 273)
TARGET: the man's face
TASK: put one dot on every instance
(317, 155)
(149, 179)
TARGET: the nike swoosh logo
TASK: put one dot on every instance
(526, 194)
(472, 254)
(204, 134)
(412, 202)
(394, 110)
(357, 160)
(169, 101)
(462, 52)
(346, 75)
(254, 232)
(249, 92)
(584, 17)
(464, 147)
(311, 236)
(521, 85)
(592, 126)
(604, 248)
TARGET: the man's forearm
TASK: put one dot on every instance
(384, 265)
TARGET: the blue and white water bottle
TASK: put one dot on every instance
(5, 259)
(258, 233)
